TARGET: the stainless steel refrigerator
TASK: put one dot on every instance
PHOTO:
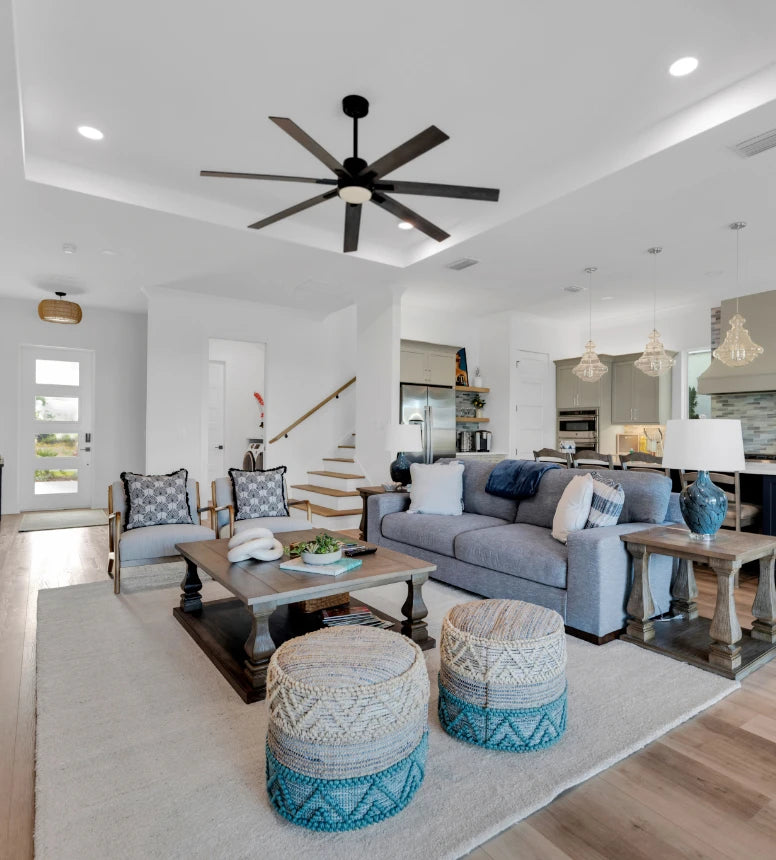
(433, 407)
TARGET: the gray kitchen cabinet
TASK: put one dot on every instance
(427, 364)
(571, 392)
(636, 397)
(565, 387)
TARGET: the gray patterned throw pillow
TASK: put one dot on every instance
(156, 500)
(607, 504)
(259, 494)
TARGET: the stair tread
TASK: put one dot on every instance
(338, 460)
(347, 446)
(344, 475)
(326, 491)
(331, 512)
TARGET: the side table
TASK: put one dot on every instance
(365, 493)
(718, 645)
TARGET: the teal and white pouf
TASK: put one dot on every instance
(502, 682)
(348, 727)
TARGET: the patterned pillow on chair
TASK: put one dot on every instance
(156, 500)
(259, 494)
(608, 501)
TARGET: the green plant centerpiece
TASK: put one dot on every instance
(478, 402)
(322, 549)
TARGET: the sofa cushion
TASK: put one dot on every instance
(646, 497)
(433, 532)
(275, 524)
(475, 499)
(159, 541)
(437, 488)
(527, 551)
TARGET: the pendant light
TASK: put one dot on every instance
(590, 367)
(654, 361)
(59, 311)
(738, 348)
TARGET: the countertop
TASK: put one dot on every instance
(760, 469)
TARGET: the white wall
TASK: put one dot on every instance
(119, 344)
(243, 374)
(306, 359)
(450, 329)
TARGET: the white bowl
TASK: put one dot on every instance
(321, 558)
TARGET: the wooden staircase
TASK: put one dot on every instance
(332, 491)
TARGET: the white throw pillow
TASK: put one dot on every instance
(573, 507)
(436, 489)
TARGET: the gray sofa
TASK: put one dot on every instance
(502, 548)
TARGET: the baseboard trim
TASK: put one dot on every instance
(591, 637)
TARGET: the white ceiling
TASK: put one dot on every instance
(566, 107)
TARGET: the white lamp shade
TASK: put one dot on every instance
(710, 444)
(403, 437)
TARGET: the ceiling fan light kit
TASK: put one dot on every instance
(358, 182)
(59, 311)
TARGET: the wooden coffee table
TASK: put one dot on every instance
(718, 645)
(259, 617)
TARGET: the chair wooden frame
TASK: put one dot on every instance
(114, 536)
(643, 462)
(592, 460)
(723, 479)
(550, 455)
(215, 511)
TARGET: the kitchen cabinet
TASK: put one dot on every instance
(424, 365)
(636, 397)
(572, 392)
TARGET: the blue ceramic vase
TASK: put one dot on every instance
(703, 507)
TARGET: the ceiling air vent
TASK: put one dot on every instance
(756, 145)
(463, 263)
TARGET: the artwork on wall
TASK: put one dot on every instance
(461, 370)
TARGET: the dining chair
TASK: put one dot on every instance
(550, 455)
(642, 462)
(592, 460)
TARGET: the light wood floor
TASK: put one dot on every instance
(706, 789)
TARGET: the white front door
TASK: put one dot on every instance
(55, 428)
(215, 420)
(529, 382)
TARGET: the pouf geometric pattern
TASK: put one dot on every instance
(348, 727)
(502, 681)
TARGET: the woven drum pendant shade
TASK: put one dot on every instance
(59, 311)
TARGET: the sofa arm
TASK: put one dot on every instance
(674, 512)
(600, 572)
(378, 506)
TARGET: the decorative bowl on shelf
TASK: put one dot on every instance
(321, 557)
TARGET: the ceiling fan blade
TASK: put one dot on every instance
(412, 148)
(352, 226)
(405, 214)
(223, 174)
(292, 210)
(433, 189)
(301, 137)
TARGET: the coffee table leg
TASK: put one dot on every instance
(640, 606)
(764, 606)
(725, 631)
(415, 610)
(259, 645)
(684, 590)
(191, 586)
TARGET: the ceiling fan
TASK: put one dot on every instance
(358, 182)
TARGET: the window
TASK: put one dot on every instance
(56, 372)
(56, 408)
(56, 445)
(697, 404)
(56, 481)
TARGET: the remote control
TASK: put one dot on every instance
(359, 550)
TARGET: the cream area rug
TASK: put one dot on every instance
(145, 751)
(38, 521)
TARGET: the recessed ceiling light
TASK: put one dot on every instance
(109, 252)
(69, 248)
(684, 66)
(90, 133)
(574, 288)
(405, 225)
(606, 298)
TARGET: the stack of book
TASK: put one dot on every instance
(352, 614)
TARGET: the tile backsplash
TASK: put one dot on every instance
(757, 411)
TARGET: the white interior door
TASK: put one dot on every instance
(529, 388)
(55, 428)
(216, 419)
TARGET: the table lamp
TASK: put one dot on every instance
(400, 438)
(704, 444)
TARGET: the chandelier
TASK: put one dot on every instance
(590, 367)
(59, 311)
(738, 348)
(654, 361)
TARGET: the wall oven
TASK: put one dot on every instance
(579, 426)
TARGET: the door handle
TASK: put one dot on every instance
(219, 447)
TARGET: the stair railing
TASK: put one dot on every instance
(284, 433)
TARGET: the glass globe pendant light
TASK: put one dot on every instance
(590, 367)
(654, 361)
(738, 348)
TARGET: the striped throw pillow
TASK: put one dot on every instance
(608, 499)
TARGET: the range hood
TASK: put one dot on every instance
(760, 313)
